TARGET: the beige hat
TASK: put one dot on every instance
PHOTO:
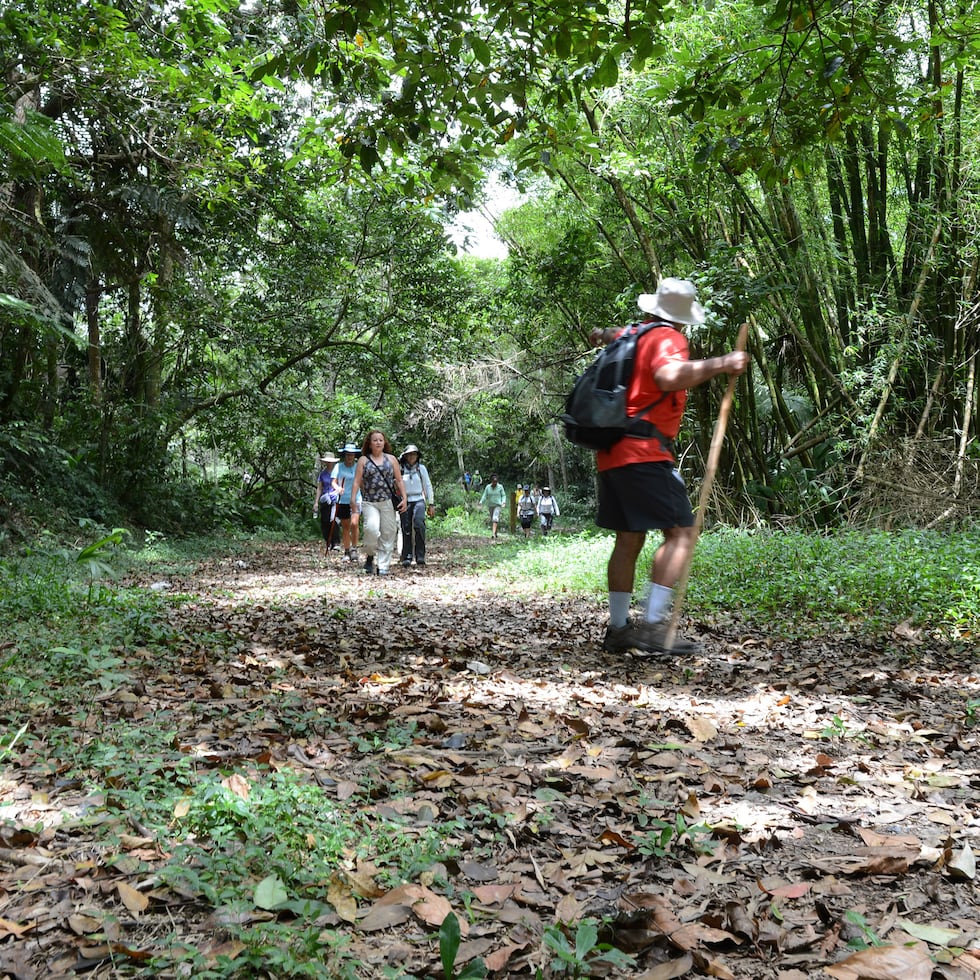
(329, 458)
(675, 300)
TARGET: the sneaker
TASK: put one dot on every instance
(369, 564)
(406, 562)
(347, 555)
(420, 562)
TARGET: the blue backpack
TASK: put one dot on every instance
(330, 495)
(595, 411)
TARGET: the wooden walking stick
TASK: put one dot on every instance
(714, 453)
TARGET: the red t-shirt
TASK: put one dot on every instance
(656, 348)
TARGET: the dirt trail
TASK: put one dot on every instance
(761, 811)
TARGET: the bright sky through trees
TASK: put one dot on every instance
(473, 230)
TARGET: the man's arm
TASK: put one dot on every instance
(677, 375)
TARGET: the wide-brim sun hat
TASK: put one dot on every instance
(330, 458)
(410, 448)
(350, 448)
(675, 300)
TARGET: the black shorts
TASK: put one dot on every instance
(343, 512)
(643, 497)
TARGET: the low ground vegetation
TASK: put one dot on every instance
(241, 757)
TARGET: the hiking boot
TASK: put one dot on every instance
(645, 639)
(369, 565)
(619, 639)
(655, 640)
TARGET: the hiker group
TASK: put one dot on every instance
(536, 504)
(530, 505)
(362, 493)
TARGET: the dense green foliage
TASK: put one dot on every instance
(223, 247)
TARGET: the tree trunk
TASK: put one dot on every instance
(859, 239)
(93, 292)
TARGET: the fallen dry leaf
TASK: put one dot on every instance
(885, 963)
(134, 900)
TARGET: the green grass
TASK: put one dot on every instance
(787, 584)
(865, 582)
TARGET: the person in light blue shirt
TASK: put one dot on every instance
(343, 476)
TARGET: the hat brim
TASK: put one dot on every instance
(650, 303)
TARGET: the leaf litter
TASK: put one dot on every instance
(767, 809)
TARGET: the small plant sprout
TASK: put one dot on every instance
(450, 938)
(866, 936)
(665, 836)
(6, 749)
(838, 728)
(584, 956)
(973, 711)
(93, 559)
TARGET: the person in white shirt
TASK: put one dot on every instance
(421, 503)
(527, 509)
(547, 510)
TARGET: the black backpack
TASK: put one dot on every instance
(595, 410)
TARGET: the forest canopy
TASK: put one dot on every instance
(223, 243)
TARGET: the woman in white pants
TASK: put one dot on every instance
(378, 479)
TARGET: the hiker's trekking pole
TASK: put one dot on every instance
(714, 453)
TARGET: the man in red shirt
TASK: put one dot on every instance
(640, 488)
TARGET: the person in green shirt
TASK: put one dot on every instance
(493, 498)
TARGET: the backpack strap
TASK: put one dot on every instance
(639, 427)
(384, 476)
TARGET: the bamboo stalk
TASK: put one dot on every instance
(896, 363)
(924, 418)
(965, 428)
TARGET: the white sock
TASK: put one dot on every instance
(619, 608)
(658, 603)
